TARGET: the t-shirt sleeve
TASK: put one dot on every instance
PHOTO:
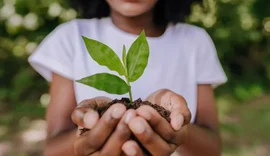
(208, 66)
(54, 54)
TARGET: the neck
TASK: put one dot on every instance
(135, 25)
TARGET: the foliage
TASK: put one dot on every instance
(137, 58)
(240, 30)
(104, 55)
(132, 67)
(242, 38)
(106, 82)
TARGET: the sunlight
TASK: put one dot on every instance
(68, 14)
(267, 24)
(209, 21)
(6, 11)
(18, 50)
(55, 10)
(15, 20)
(247, 21)
(45, 99)
(30, 47)
(9, 2)
(30, 21)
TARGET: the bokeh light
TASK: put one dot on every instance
(12, 2)
(30, 47)
(45, 99)
(30, 21)
(69, 14)
(55, 9)
(6, 11)
(15, 20)
(266, 24)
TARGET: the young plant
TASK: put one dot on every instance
(131, 67)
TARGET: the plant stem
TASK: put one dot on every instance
(130, 93)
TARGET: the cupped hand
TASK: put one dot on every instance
(107, 134)
(156, 134)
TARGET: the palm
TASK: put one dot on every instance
(170, 101)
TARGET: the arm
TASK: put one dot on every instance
(61, 131)
(203, 136)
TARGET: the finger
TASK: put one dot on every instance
(86, 119)
(177, 120)
(85, 115)
(150, 114)
(77, 116)
(97, 136)
(131, 148)
(148, 138)
(120, 135)
(161, 126)
(179, 106)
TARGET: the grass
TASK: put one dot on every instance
(245, 128)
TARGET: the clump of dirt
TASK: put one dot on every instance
(134, 105)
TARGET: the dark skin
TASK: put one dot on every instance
(203, 134)
(135, 25)
(200, 138)
(61, 130)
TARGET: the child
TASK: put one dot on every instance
(182, 59)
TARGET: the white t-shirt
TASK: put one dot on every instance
(183, 57)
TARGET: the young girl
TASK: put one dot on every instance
(182, 61)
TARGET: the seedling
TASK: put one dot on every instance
(131, 67)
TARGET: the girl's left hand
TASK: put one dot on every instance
(156, 134)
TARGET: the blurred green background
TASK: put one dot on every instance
(239, 28)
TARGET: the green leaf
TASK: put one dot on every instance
(104, 55)
(124, 55)
(137, 57)
(106, 82)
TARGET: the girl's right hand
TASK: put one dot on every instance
(107, 134)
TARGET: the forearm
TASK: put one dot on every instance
(61, 144)
(201, 141)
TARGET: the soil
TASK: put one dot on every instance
(134, 105)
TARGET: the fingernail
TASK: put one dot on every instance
(128, 117)
(117, 113)
(130, 151)
(138, 127)
(80, 114)
(178, 122)
(90, 119)
(143, 112)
